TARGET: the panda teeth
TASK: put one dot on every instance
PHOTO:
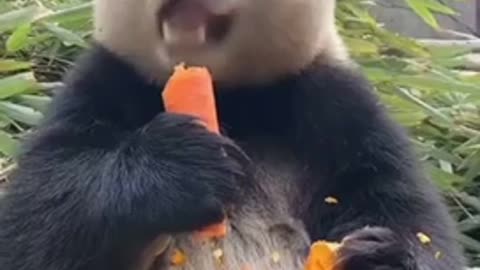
(178, 36)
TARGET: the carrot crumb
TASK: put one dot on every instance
(276, 257)
(178, 258)
(331, 200)
(218, 254)
(323, 256)
(424, 239)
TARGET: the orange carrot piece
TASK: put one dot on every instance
(218, 230)
(323, 256)
(178, 258)
(190, 91)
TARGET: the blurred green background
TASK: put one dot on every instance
(428, 89)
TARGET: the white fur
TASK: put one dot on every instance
(259, 232)
(251, 245)
(269, 38)
(263, 226)
(259, 228)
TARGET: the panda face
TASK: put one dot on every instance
(238, 40)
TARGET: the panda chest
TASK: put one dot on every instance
(276, 171)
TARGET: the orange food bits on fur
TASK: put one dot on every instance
(424, 239)
(218, 256)
(331, 200)
(323, 256)
(276, 257)
(178, 258)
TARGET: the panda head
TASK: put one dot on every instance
(238, 40)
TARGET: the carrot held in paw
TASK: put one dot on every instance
(190, 91)
(323, 256)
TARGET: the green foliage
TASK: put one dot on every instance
(38, 40)
(422, 87)
(426, 92)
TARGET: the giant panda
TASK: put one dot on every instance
(109, 181)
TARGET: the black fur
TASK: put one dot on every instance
(108, 170)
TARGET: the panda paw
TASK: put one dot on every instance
(202, 176)
(374, 248)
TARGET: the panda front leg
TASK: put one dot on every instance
(375, 248)
(388, 236)
(357, 155)
(91, 197)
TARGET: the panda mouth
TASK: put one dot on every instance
(193, 23)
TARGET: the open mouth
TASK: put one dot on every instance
(194, 22)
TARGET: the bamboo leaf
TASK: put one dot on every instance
(9, 65)
(14, 19)
(19, 39)
(16, 84)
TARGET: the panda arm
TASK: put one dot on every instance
(359, 156)
(92, 191)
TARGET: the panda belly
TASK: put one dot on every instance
(264, 233)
